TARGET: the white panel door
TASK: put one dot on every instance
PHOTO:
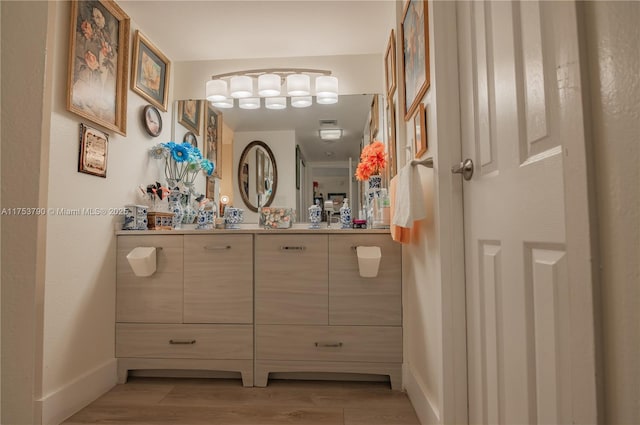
(519, 84)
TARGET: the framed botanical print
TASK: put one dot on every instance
(98, 63)
(94, 145)
(152, 120)
(391, 137)
(420, 131)
(415, 54)
(390, 65)
(150, 72)
(213, 139)
(190, 115)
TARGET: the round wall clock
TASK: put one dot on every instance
(152, 120)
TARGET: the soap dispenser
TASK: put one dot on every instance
(345, 214)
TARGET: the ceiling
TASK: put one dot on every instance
(218, 30)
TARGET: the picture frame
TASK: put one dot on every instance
(260, 169)
(210, 189)
(97, 89)
(213, 139)
(415, 54)
(190, 115)
(152, 120)
(150, 72)
(420, 131)
(374, 120)
(390, 65)
(94, 147)
(190, 138)
(391, 137)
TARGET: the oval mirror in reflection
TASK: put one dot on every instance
(257, 175)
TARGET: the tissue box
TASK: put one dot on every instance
(277, 217)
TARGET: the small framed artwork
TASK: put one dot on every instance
(415, 54)
(189, 115)
(150, 72)
(98, 63)
(390, 65)
(94, 145)
(391, 136)
(420, 131)
(190, 138)
(210, 189)
(213, 139)
(152, 120)
(375, 117)
(260, 168)
(298, 163)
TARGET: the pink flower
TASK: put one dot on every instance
(372, 160)
(91, 60)
(87, 30)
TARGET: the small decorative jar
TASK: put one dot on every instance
(315, 216)
(233, 217)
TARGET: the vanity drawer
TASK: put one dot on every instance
(218, 278)
(184, 341)
(291, 279)
(329, 343)
(355, 300)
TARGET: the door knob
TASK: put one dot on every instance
(465, 168)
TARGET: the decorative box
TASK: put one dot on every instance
(277, 217)
(159, 220)
(135, 217)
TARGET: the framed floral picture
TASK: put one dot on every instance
(190, 115)
(213, 139)
(375, 117)
(94, 146)
(390, 65)
(415, 54)
(420, 131)
(98, 63)
(150, 72)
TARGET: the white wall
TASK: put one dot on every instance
(434, 370)
(79, 300)
(613, 54)
(283, 146)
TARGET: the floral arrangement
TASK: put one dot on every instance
(182, 162)
(372, 160)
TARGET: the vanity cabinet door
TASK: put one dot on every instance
(218, 278)
(355, 300)
(291, 279)
(153, 299)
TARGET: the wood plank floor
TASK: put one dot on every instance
(226, 402)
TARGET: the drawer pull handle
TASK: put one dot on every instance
(292, 248)
(182, 341)
(216, 248)
(329, 344)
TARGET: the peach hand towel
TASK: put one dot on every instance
(398, 234)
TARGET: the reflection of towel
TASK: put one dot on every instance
(398, 234)
(410, 205)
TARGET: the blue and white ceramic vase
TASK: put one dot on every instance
(315, 216)
(190, 213)
(345, 215)
(233, 217)
(374, 186)
(175, 206)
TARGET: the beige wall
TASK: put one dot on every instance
(613, 40)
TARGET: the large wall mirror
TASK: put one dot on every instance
(307, 165)
(257, 176)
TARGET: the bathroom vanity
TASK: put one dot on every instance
(260, 301)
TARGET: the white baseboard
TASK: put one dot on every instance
(427, 411)
(69, 399)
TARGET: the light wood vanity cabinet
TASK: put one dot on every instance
(194, 312)
(314, 313)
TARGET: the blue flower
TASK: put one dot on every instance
(179, 153)
(207, 166)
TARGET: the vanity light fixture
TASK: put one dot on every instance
(223, 88)
(330, 133)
